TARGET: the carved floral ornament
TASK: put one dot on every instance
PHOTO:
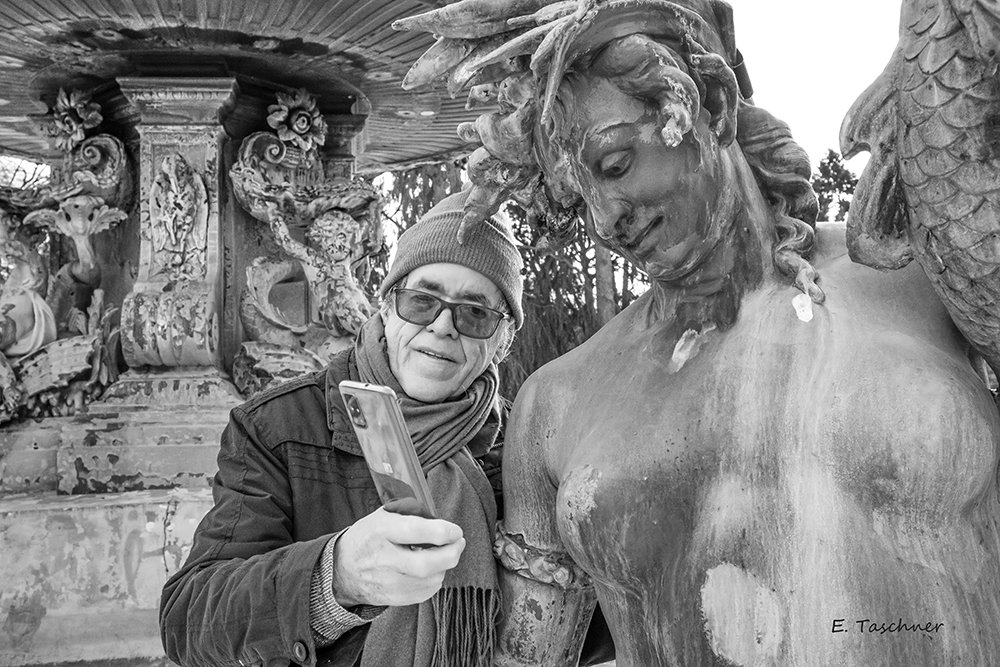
(297, 120)
(72, 115)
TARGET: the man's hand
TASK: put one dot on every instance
(375, 561)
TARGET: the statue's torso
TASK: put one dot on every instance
(789, 474)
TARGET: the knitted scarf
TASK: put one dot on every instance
(455, 628)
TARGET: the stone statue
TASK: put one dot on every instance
(325, 228)
(57, 335)
(775, 456)
(28, 321)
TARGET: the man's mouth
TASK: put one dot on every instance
(435, 355)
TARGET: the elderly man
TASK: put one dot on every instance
(297, 562)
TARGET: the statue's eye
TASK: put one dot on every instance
(615, 164)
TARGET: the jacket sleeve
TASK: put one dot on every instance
(242, 597)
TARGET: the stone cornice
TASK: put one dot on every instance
(180, 101)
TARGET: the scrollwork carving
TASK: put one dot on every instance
(97, 166)
(279, 181)
(173, 328)
(58, 334)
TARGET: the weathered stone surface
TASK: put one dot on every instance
(111, 468)
(128, 450)
(189, 387)
(82, 576)
(28, 456)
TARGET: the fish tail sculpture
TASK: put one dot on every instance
(931, 190)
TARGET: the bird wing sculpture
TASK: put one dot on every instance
(931, 191)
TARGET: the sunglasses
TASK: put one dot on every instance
(470, 319)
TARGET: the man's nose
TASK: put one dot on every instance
(444, 324)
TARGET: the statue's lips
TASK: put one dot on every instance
(668, 259)
(644, 241)
(653, 243)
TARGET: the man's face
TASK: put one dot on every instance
(433, 362)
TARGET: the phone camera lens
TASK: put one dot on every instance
(354, 409)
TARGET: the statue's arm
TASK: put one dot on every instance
(547, 600)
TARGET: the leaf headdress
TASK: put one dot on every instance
(515, 54)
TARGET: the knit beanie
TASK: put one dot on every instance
(488, 248)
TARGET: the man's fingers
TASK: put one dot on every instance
(429, 561)
(405, 529)
(408, 506)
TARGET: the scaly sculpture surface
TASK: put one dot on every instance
(931, 191)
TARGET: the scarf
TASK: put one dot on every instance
(455, 628)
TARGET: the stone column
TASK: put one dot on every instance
(170, 319)
(158, 425)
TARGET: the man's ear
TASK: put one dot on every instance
(506, 337)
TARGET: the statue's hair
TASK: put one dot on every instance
(782, 170)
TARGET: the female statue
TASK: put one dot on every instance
(764, 460)
(27, 321)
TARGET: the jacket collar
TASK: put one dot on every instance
(342, 433)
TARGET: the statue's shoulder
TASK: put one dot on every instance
(831, 242)
(549, 390)
(902, 299)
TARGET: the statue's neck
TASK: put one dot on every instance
(710, 295)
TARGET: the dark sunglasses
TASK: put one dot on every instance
(470, 319)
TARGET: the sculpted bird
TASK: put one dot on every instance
(931, 191)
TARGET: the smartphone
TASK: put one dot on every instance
(385, 441)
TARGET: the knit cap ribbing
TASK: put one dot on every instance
(489, 248)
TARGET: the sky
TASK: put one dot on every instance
(810, 59)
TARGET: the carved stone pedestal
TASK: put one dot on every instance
(171, 316)
(82, 574)
(149, 431)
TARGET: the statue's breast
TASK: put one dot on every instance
(769, 426)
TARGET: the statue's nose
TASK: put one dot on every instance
(609, 217)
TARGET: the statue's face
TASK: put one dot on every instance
(651, 202)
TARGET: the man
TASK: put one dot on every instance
(297, 562)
